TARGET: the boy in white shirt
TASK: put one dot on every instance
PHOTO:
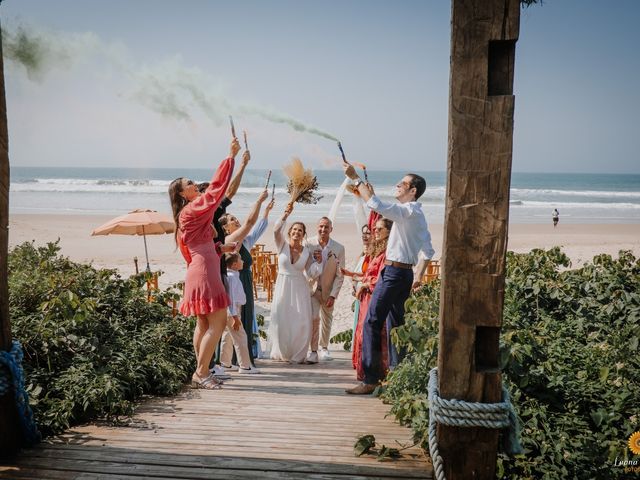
(234, 335)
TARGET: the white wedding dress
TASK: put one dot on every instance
(290, 325)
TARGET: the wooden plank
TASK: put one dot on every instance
(230, 437)
(219, 462)
(290, 422)
(410, 461)
(104, 469)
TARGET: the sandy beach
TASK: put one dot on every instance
(579, 241)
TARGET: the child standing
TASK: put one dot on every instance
(235, 335)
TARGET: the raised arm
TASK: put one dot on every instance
(278, 231)
(364, 189)
(395, 212)
(243, 231)
(207, 202)
(237, 178)
(259, 228)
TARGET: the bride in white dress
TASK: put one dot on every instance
(290, 325)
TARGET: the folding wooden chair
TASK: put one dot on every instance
(433, 271)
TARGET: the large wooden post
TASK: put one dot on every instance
(9, 427)
(481, 104)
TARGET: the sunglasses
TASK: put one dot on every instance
(189, 182)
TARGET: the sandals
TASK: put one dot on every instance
(209, 383)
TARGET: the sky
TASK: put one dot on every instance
(150, 83)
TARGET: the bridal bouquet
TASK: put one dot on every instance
(302, 185)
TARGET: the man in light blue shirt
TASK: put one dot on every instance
(409, 244)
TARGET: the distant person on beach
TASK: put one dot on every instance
(408, 238)
(204, 292)
(290, 324)
(247, 235)
(555, 216)
(235, 335)
(324, 289)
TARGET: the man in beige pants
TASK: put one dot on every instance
(325, 289)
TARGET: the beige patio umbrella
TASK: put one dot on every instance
(138, 222)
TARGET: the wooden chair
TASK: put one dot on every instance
(433, 271)
(152, 286)
(262, 258)
(270, 274)
(256, 251)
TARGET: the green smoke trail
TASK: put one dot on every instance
(161, 100)
(276, 117)
(168, 88)
(30, 51)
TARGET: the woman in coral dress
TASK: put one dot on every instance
(368, 283)
(204, 292)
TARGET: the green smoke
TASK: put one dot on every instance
(167, 88)
(27, 50)
(276, 117)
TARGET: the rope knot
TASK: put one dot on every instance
(459, 413)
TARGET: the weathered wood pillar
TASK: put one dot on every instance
(10, 438)
(481, 104)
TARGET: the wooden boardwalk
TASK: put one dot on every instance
(292, 421)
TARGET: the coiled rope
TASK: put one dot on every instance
(458, 413)
(11, 376)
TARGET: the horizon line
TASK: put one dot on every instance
(319, 169)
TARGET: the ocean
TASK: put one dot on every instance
(579, 197)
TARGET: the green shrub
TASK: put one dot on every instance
(570, 358)
(92, 343)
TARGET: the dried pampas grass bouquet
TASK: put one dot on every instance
(302, 185)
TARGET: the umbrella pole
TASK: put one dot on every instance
(146, 254)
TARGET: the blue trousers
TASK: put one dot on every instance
(387, 304)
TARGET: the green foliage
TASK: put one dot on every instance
(366, 444)
(343, 337)
(261, 332)
(92, 343)
(570, 358)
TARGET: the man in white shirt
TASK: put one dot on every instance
(409, 237)
(325, 289)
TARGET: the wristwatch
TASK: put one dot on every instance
(357, 183)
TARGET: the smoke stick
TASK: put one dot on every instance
(344, 159)
(233, 128)
(266, 185)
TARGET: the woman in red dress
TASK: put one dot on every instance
(204, 292)
(371, 275)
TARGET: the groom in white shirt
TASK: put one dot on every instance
(408, 238)
(325, 289)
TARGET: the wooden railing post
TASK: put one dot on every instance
(10, 437)
(481, 105)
